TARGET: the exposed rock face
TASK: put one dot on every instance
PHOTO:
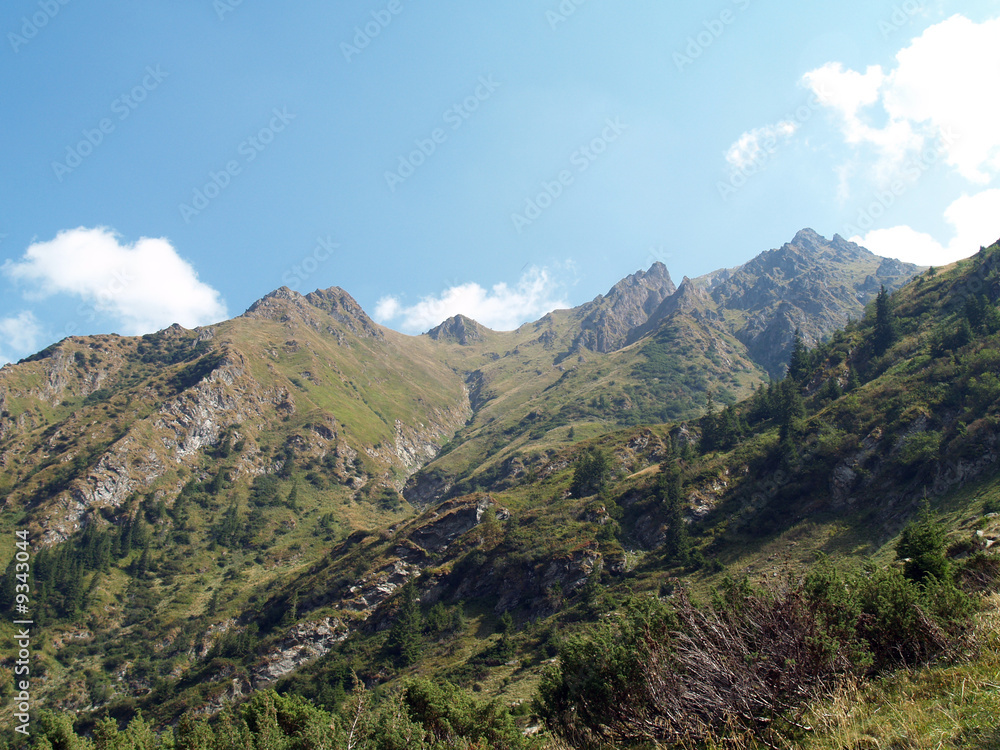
(343, 308)
(304, 642)
(460, 330)
(811, 283)
(608, 320)
(285, 305)
(450, 520)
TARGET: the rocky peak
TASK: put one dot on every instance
(458, 329)
(274, 305)
(807, 239)
(609, 319)
(341, 306)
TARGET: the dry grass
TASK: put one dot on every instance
(943, 706)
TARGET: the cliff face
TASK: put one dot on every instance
(810, 283)
(92, 423)
(606, 322)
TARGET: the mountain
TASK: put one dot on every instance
(664, 348)
(251, 497)
(809, 284)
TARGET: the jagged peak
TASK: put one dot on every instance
(458, 328)
(284, 304)
(808, 238)
(656, 277)
(342, 306)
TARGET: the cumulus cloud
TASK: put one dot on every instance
(19, 334)
(976, 222)
(756, 146)
(144, 286)
(940, 91)
(501, 308)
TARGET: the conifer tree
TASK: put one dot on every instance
(677, 544)
(404, 637)
(798, 362)
(591, 473)
(885, 323)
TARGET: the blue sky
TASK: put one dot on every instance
(174, 161)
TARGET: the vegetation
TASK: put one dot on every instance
(766, 569)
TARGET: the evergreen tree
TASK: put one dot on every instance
(922, 545)
(291, 612)
(798, 361)
(852, 379)
(506, 623)
(677, 544)
(8, 586)
(591, 473)
(404, 637)
(709, 426)
(791, 407)
(975, 310)
(832, 390)
(293, 497)
(885, 323)
(437, 619)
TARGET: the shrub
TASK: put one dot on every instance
(922, 547)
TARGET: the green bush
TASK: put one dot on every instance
(922, 547)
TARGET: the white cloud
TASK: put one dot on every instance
(501, 308)
(976, 222)
(756, 146)
(941, 90)
(145, 286)
(19, 334)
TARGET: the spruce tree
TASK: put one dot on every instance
(798, 362)
(404, 637)
(709, 426)
(885, 323)
(591, 473)
(922, 545)
(677, 543)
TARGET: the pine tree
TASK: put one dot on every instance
(293, 497)
(798, 361)
(709, 426)
(291, 612)
(591, 473)
(975, 310)
(404, 637)
(791, 407)
(922, 545)
(852, 379)
(832, 390)
(677, 543)
(885, 323)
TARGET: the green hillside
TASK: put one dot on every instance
(216, 515)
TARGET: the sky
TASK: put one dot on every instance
(172, 162)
